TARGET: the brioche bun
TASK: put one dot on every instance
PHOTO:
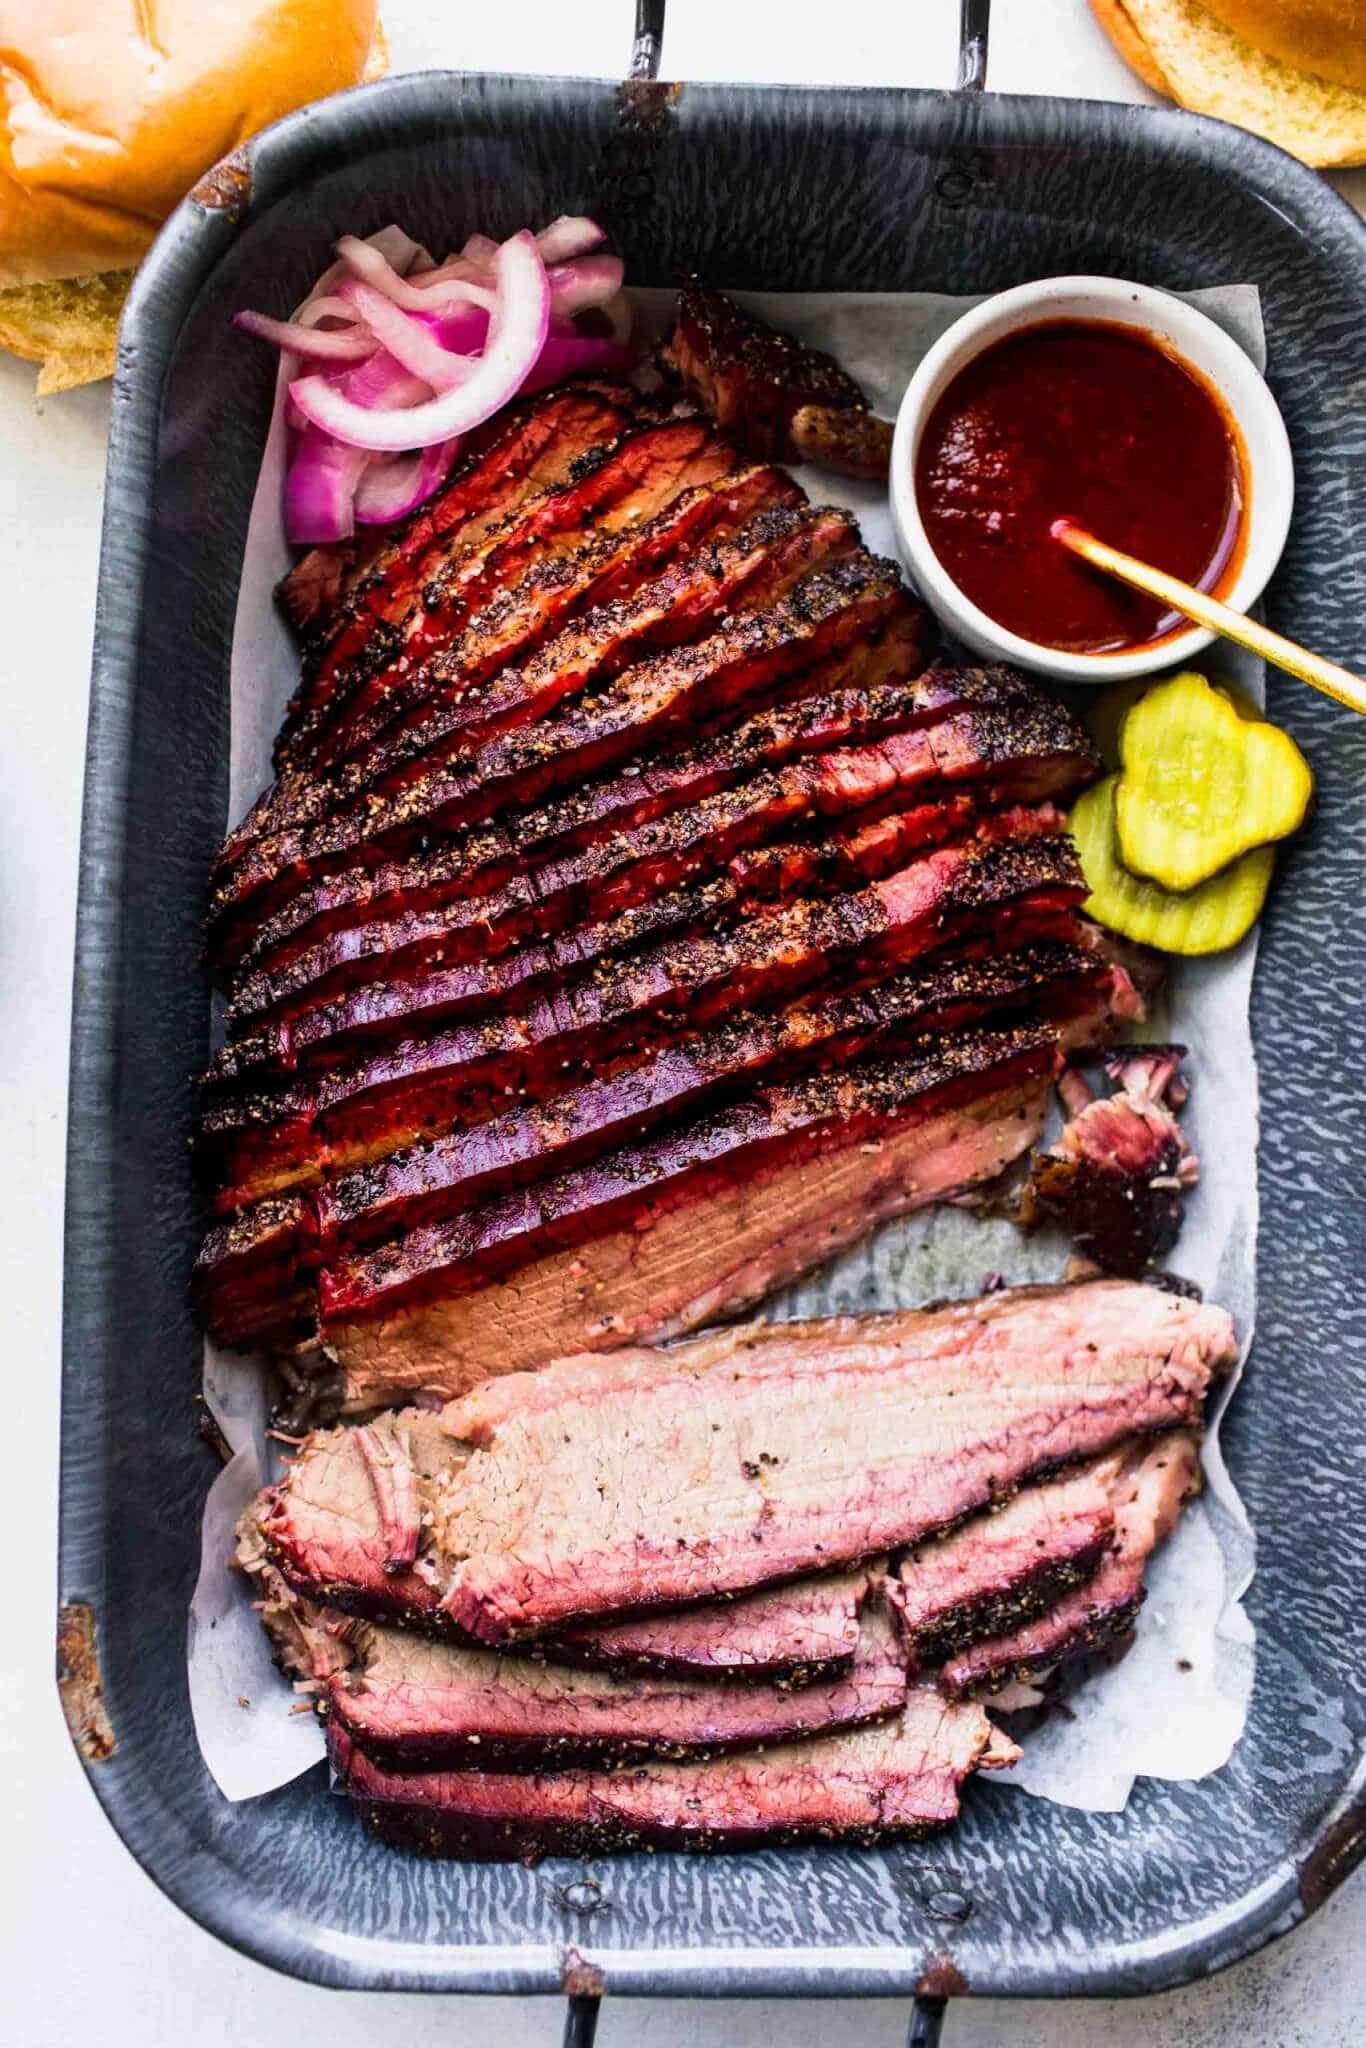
(1291, 70)
(109, 112)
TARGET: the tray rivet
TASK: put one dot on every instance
(947, 1904)
(585, 1895)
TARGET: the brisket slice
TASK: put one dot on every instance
(251, 1280)
(263, 1134)
(745, 660)
(653, 585)
(1148, 1486)
(533, 448)
(332, 1546)
(782, 947)
(608, 490)
(648, 788)
(861, 694)
(790, 1634)
(901, 1778)
(550, 1137)
(475, 693)
(1020, 759)
(655, 1478)
(667, 1235)
(413, 1703)
(999, 1569)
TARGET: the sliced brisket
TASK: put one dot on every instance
(862, 694)
(531, 450)
(610, 487)
(1148, 1487)
(762, 1453)
(475, 693)
(339, 1541)
(1005, 1567)
(899, 1779)
(741, 662)
(944, 895)
(1030, 759)
(413, 1703)
(252, 1272)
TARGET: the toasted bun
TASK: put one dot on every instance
(1327, 37)
(1183, 49)
(109, 112)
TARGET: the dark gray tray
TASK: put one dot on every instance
(781, 188)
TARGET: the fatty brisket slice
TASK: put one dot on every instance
(649, 1479)
(361, 1495)
(899, 1779)
(694, 1225)
(1148, 1486)
(415, 1703)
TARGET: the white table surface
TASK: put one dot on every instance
(86, 1942)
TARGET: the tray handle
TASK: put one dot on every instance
(581, 2021)
(974, 34)
(647, 46)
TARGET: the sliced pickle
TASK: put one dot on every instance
(1207, 919)
(1105, 719)
(1200, 785)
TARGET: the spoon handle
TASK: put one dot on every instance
(1220, 618)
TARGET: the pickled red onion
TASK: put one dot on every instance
(518, 326)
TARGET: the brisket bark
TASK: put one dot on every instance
(533, 449)
(952, 891)
(1147, 1486)
(997, 1570)
(611, 487)
(252, 1276)
(743, 661)
(990, 759)
(900, 1779)
(863, 693)
(475, 693)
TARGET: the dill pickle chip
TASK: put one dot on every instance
(1207, 919)
(1200, 786)
(1105, 719)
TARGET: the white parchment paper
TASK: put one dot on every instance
(1174, 1707)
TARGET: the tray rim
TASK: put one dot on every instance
(195, 237)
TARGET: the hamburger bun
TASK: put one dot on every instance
(1291, 70)
(105, 124)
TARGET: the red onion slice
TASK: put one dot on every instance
(324, 344)
(517, 330)
(320, 488)
(438, 289)
(408, 339)
(587, 281)
(571, 235)
(395, 485)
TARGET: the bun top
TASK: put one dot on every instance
(1324, 36)
(111, 109)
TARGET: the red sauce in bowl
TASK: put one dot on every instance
(1091, 421)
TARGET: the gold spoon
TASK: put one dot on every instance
(1220, 618)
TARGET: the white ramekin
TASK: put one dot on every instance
(1269, 481)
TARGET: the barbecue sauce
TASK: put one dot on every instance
(1089, 421)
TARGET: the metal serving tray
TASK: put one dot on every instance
(782, 188)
